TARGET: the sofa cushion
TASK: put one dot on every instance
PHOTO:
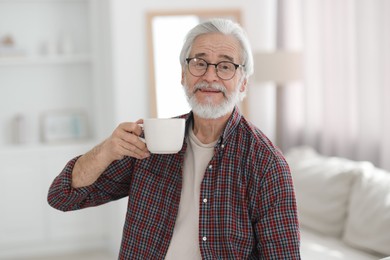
(368, 223)
(319, 247)
(322, 185)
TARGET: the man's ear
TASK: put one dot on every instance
(182, 77)
(244, 85)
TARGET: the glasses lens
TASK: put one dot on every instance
(226, 70)
(197, 67)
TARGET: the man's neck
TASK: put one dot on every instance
(209, 130)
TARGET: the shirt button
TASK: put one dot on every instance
(210, 167)
(222, 146)
(205, 200)
(204, 238)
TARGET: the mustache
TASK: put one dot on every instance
(213, 86)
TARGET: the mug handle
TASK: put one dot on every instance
(140, 138)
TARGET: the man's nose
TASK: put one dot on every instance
(211, 72)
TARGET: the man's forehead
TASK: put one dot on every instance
(221, 56)
(216, 44)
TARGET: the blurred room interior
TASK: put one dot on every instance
(71, 70)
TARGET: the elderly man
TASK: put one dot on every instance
(228, 194)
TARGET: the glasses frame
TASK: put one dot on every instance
(236, 66)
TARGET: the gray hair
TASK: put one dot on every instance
(226, 27)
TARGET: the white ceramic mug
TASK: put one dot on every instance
(164, 135)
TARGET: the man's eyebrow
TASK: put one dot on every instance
(200, 55)
(229, 58)
(224, 56)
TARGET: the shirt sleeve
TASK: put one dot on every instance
(277, 227)
(113, 184)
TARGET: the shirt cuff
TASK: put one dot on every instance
(66, 182)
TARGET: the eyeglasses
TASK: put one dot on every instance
(225, 69)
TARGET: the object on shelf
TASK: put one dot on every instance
(68, 125)
(19, 129)
(8, 41)
(50, 48)
(66, 45)
(61, 46)
(8, 47)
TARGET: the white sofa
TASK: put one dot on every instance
(343, 206)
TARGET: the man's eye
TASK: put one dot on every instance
(225, 66)
(200, 65)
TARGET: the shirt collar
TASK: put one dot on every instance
(231, 125)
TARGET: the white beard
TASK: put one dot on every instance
(210, 110)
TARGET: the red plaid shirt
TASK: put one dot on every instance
(247, 207)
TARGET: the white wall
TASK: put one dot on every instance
(131, 68)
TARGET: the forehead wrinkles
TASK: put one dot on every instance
(216, 45)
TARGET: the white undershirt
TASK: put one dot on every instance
(185, 239)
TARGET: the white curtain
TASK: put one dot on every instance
(343, 107)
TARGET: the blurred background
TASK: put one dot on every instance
(71, 70)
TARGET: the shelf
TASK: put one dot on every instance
(45, 60)
(47, 146)
(42, 1)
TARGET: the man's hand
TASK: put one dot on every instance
(124, 141)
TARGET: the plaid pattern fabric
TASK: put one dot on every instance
(247, 203)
